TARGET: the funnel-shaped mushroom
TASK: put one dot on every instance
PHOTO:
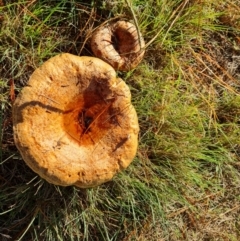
(74, 123)
(119, 44)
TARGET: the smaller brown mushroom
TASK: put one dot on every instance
(119, 44)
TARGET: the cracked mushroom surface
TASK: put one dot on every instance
(119, 44)
(74, 123)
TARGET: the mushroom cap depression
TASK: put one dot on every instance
(119, 44)
(74, 123)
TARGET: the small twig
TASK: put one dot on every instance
(105, 22)
(179, 9)
(136, 23)
(97, 118)
(50, 99)
(176, 213)
(230, 210)
(115, 114)
(31, 222)
(86, 39)
(219, 80)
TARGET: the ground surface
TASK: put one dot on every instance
(184, 183)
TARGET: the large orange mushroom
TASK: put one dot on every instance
(74, 123)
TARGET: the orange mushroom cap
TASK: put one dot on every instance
(74, 123)
(119, 44)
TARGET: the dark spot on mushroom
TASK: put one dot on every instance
(122, 142)
(87, 121)
(84, 121)
(90, 62)
(115, 42)
(114, 120)
(81, 118)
